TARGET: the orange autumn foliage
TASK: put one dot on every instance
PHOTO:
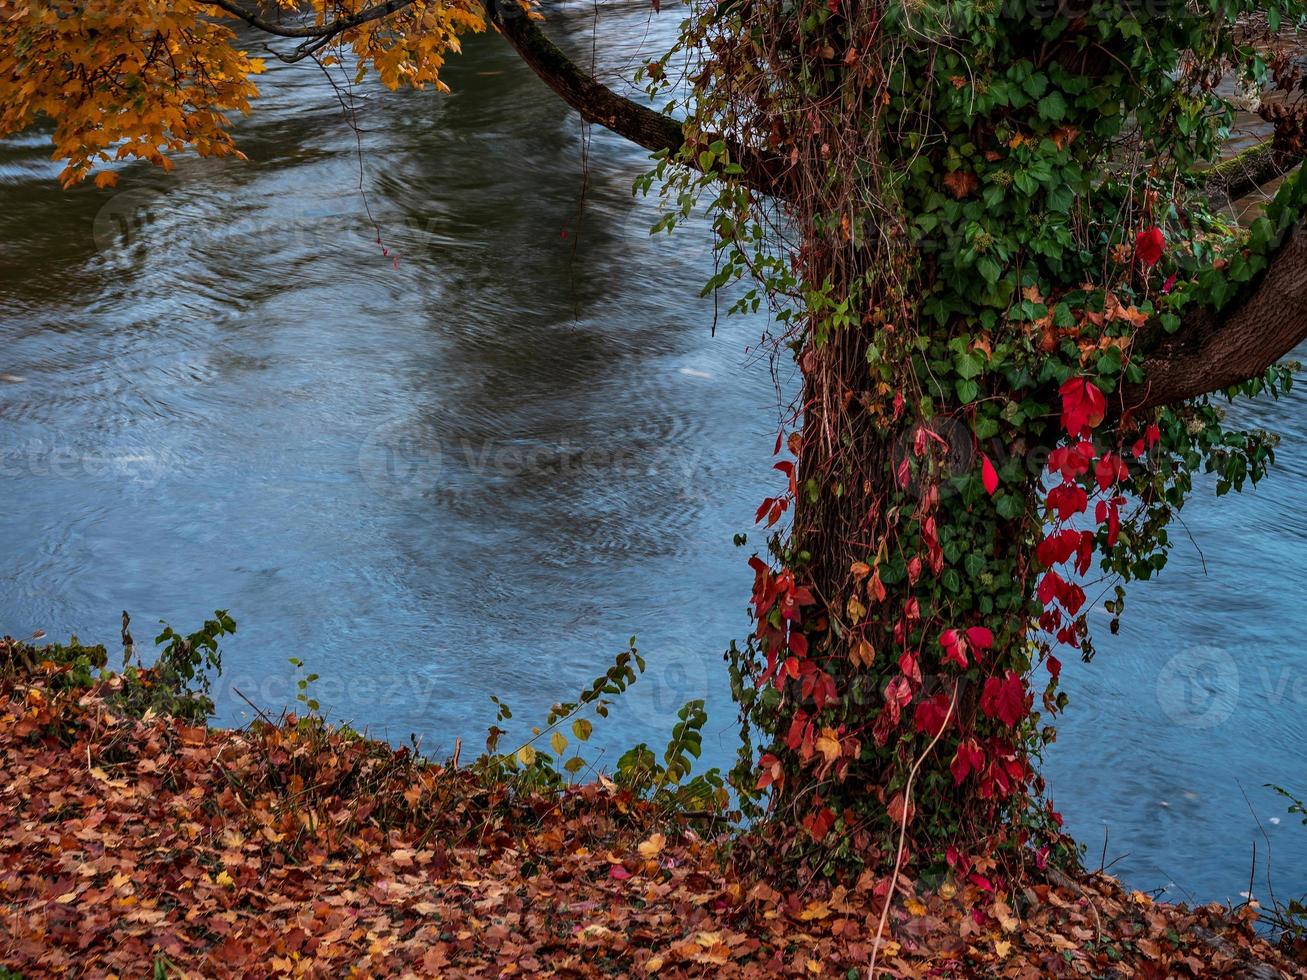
(147, 79)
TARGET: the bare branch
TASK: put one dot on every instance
(326, 30)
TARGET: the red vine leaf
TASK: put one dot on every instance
(931, 715)
(1149, 246)
(1083, 406)
(1004, 699)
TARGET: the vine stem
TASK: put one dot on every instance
(903, 831)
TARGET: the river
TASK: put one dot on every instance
(476, 464)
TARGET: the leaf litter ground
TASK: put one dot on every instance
(146, 846)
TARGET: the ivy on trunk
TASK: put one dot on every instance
(982, 244)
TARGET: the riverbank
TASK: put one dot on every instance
(147, 845)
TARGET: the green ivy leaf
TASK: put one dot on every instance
(969, 364)
(1009, 506)
(1053, 107)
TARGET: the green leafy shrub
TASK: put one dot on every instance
(74, 662)
(178, 683)
(549, 760)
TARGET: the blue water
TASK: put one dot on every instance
(1180, 720)
(480, 471)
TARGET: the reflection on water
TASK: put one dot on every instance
(478, 468)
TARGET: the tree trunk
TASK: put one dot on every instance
(886, 513)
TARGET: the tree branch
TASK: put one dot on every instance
(329, 29)
(1246, 171)
(595, 102)
(318, 36)
(599, 104)
(1216, 350)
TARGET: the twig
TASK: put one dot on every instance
(318, 35)
(1270, 891)
(1252, 871)
(262, 714)
(129, 646)
(903, 831)
(1119, 857)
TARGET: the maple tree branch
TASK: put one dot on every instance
(597, 103)
(1216, 350)
(327, 30)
